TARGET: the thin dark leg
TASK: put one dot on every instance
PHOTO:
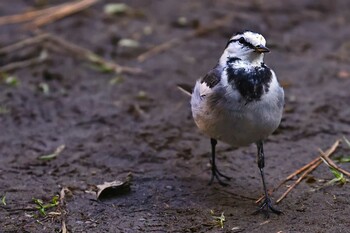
(266, 204)
(214, 170)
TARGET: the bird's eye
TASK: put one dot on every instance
(241, 40)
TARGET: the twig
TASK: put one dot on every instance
(24, 43)
(333, 165)
(307, 168)
(21, 64)
(92, 57)
(23, 17)
(297, 172)
(171, 43)
(63, 12)
(48, 15)
(18, 209)
(62, 204)
(51, 42)
(327, 154)
(291, 176)
(158, 49)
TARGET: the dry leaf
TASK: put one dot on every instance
(114, 188)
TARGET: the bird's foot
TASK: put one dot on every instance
(215, 173)
(265, 208)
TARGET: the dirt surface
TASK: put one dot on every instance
(142, 124)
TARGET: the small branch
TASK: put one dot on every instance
(24, 43)
(62, 204)
(62, 12)
(27, 16)
(92, 57)
(174, 41)
(45, 16)
(19, 209)
(57, 44)
(307, 169)
(21, 64)
(327, 154)
(299, 171)
(334, 165)
(158, 49)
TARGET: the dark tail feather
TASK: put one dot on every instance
(185, 88)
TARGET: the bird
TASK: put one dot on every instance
(239, 102)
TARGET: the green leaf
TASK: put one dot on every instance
(115, 8)
(53, 155)
(3, 200)
(219, 220)
(343, 159)
(339, 177)
(39, 202)
(43, 207)
(12, 81)
(336, 173)
(55, 200)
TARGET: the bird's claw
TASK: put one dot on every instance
(215, 173)
(265, 208)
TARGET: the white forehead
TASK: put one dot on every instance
(251, 37)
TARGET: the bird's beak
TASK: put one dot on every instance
(261, 49)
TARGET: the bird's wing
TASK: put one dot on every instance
(209, 81)
(185, 88)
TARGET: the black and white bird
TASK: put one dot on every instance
(239, 102)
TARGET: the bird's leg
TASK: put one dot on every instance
(266, 205)
(214, 170)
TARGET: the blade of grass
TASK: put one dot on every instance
(53, 155)
(3, 200)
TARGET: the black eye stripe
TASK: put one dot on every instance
(242, 41)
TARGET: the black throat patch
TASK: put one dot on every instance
(251, 83)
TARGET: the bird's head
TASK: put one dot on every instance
(247, 46)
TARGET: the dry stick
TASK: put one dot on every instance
(23, 17)
(297, 172)
(92, 57)
(70, 47)
(333, 165)
(62, 196)
(23, 43)
(48, 15)
(62, 12)
(169, 44)
(327, 154)
(21, 64)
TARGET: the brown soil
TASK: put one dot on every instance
(109, 130)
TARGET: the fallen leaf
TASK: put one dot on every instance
(114, 188)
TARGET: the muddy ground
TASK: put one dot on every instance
(142, 124)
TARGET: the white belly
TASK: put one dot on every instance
(239, 129)
(222, 117)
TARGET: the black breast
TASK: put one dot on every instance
(251, 83)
